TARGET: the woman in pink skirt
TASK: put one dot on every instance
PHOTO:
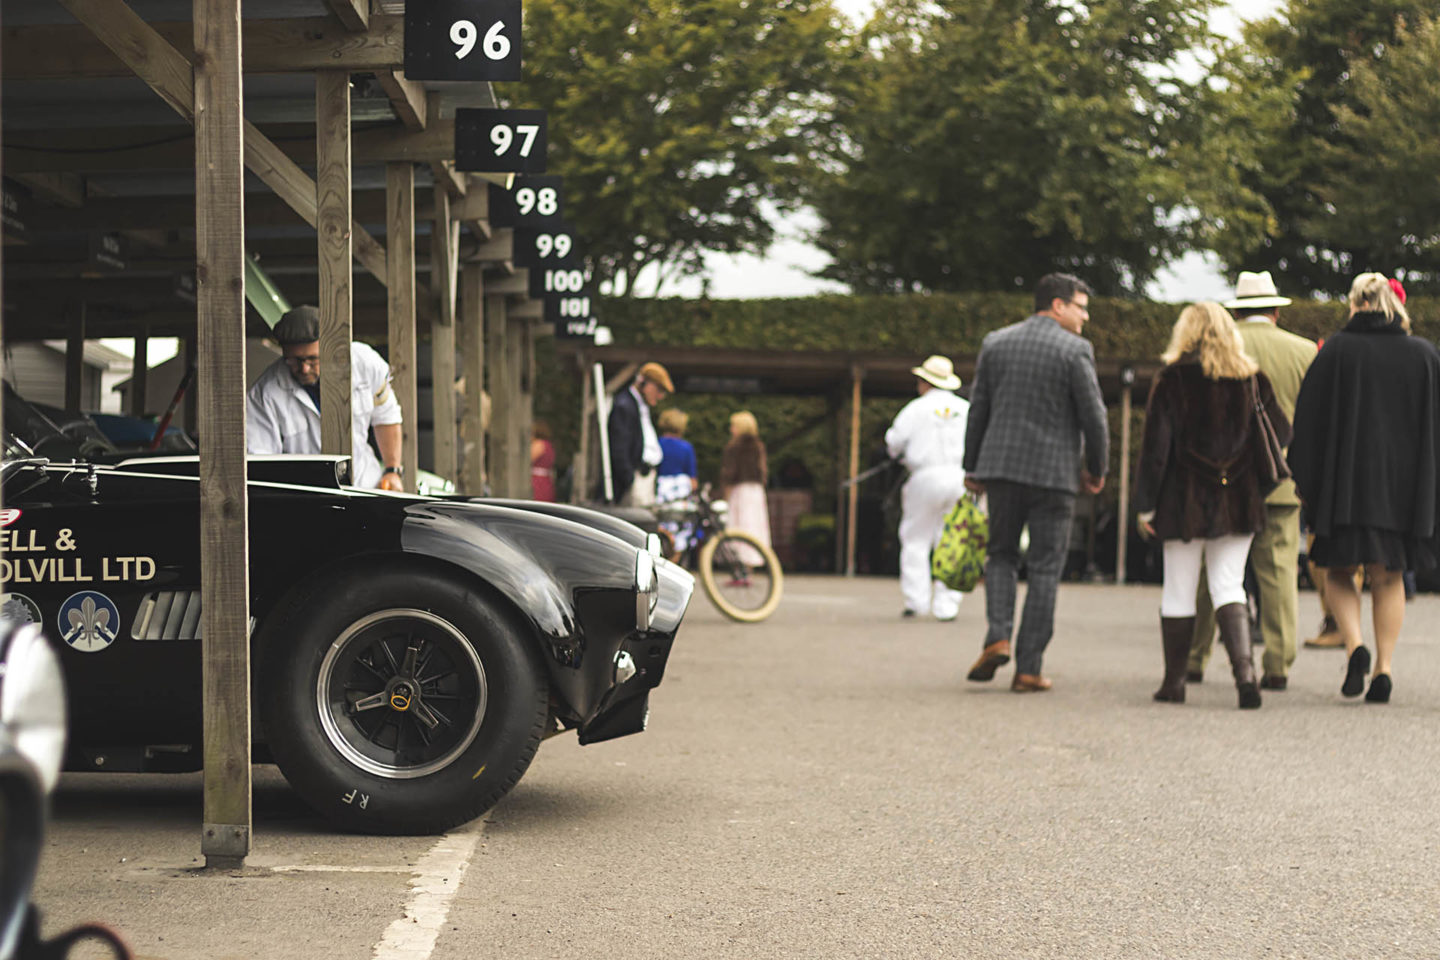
(743, 472)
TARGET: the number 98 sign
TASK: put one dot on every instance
(462, 40)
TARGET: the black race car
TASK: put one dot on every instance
(408, 653)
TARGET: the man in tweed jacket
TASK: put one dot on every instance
(1035, 398)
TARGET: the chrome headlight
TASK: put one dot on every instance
(653, 545)
(647, 592)
(721, 509)
(32, 699)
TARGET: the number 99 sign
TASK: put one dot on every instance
(462, 40)
(538, 247)
(500, 141)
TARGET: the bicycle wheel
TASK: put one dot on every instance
(741, 575)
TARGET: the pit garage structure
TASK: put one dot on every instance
(157, 151)
(844, 379)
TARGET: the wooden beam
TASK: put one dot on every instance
(522, 410)
(140, 375)
(406, 96)
(332, 181)
(497, 365)
(65, 189)
(67, 51)
(515, 285)
(170, 75)
(857, 375)
(523, 308)
(224, 505)
(580, 487)
(499, 248)
(442, 338)
(354, 14)
(472, 325)
(75, 359)
(1123, 533)
(400, 238)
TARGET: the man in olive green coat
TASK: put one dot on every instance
(1275, 552)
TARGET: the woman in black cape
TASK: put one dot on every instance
(1366, 459)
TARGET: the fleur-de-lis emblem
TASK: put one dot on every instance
(89, 625)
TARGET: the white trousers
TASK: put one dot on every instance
(927, 496)
(1224, 566)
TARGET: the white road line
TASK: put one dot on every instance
(432, 890)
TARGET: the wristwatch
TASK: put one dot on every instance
(400, 471)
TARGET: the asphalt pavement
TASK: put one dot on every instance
(828, 784)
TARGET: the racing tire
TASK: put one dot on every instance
(720, 567)
(400, 702)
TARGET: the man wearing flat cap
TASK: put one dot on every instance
(634, 445)
(928, 435)
(283, 405)
(1275, 553)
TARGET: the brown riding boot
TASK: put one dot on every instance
(1234, 621)
(1175, 634)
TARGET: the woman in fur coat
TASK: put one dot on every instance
(1198, 487)
(1366, 460)
(743, 473)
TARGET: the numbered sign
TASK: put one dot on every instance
(541, 248)
(581, 329)
(462, 40)
(500, 141)
(531, 201)
(577, 307)
(557, 281)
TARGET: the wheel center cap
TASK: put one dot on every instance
(401, 697)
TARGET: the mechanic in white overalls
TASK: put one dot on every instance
(283, 406)
(929, 436)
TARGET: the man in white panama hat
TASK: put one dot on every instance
(929, 436)
(1275, 552)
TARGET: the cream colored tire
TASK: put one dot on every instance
(708, 577)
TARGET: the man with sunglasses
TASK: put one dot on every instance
(283, 408)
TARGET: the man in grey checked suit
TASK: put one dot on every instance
(1035, 397)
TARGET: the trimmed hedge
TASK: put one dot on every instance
(951, 324)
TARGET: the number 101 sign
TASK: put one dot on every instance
(462, 40)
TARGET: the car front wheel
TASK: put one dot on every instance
(401, 703)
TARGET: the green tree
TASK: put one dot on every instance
(675, 123)
(1340, 64)
(981, 145)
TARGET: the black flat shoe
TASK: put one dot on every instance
(1249, 696)
(1355, 673)
(1379, 689)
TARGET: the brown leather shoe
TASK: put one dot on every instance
(1030, 683)
(992, 658)
(1329, 637)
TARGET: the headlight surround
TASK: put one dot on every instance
(32, 701)
(647, 590)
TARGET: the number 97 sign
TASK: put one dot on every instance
(462, 40)
(500, 141)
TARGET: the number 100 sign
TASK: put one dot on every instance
(462, 40)
(500, 141)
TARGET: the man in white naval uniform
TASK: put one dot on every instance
(283, 406)
(929, 436)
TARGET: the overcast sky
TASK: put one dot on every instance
(784, 270)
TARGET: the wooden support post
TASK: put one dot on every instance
(333, 217)
(835, 403)
(140, 374)
(472, 325)
(189, 412)
(1123, 529)
(517, 334)
(400, 268)
(497, 364)
(442, 338)
(75, 359)
(224, 505)
(857, 373)
(580, 464)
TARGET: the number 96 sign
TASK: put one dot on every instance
(462, 40)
